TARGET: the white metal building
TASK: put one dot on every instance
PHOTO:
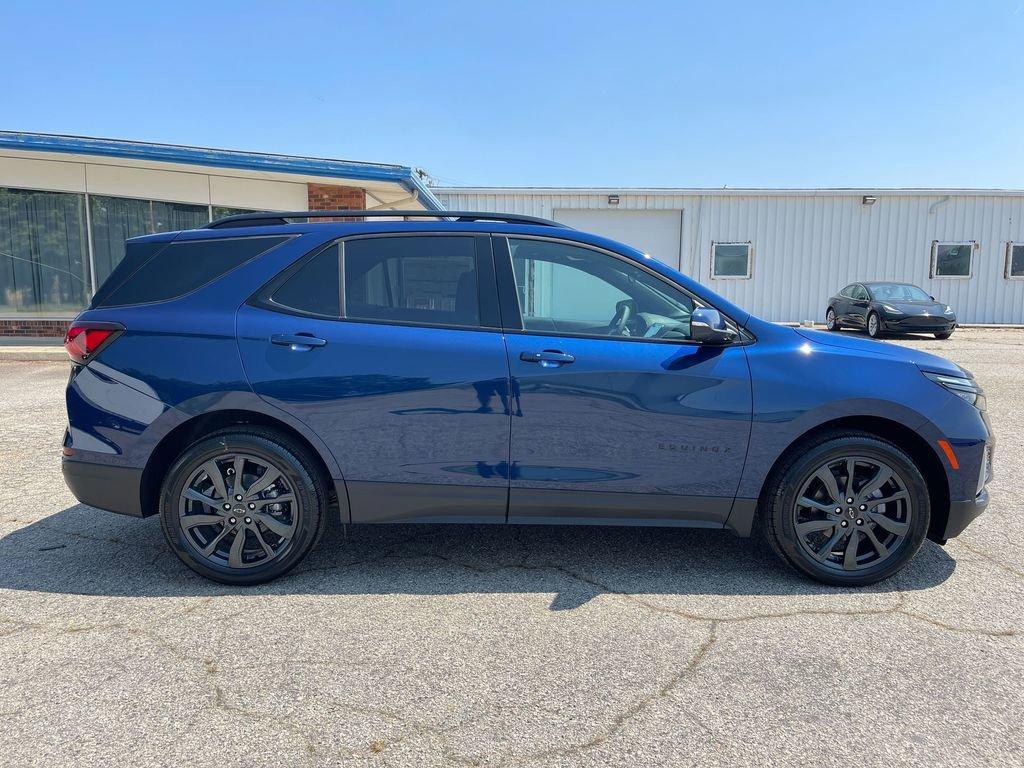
(781, 253)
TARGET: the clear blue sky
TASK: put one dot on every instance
(545, 93)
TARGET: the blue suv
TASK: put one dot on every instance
(253, 380)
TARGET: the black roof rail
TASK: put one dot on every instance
(281, 217)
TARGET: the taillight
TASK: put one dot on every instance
(84, 340)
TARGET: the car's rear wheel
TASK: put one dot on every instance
(847, 510)
(874, 326)
(243, 506)
(831, 322)
(943, 334)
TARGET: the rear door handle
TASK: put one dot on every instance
(549, 358)
(298, 342)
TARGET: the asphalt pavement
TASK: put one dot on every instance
(501, 646)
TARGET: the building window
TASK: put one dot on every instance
(1015, 261)
(115, 219)
(731, 260)
(44, 263)
(952, 260)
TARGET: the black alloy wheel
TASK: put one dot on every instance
(243, 506)
(848, 509)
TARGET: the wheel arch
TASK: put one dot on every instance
(184, 434)
(904, 437)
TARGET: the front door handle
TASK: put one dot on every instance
(297, 342)
(549, 358)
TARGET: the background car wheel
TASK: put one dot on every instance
(874, 326)
(943, 335)
(243, 506)
(831, 323)
(847, 510)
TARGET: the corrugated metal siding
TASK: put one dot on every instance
(807, 246)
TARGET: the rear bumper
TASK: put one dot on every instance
(111, 488)
(961, 513)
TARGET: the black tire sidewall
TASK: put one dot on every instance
(835, 320)
(791, 480)
(308, 492)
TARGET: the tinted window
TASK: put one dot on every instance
(859, 292)
(847, 291)
(315, 289)
(180, 268)
(568, 289)
(952, 259)
(898, 292)
(1015, 261)
(430, 280)
(731, 260)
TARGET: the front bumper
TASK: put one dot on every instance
(108, 487)
(921, 324)
(961, 513)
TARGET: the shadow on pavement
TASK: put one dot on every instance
(84, 551)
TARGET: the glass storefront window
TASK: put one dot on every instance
(44, 262)
(115, 219)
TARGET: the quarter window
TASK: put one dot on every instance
(952, 259)
(428, 279)
(730, 260)
(163, 273)
(1015, 261)
(572, 290)
(315, 289)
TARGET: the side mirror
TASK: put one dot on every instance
(707, 326)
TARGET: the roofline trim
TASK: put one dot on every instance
(730, 191)
(406, 177)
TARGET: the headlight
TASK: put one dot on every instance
(961, 386)
(948, 310)
(891, 310)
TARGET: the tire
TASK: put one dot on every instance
(276, 536)
(831, 321)
(943, 335)
(799, 533)
(876, 332)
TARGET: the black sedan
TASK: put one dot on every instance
(881, 308)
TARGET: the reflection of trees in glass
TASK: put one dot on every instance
(43, 252)
(115, 219)
(953, 260)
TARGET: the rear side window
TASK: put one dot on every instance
(315, 289)
(179, 268)
(430, 280)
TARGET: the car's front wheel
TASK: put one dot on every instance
(831, 322)
(847, 510)
(874, 326)
(243, 506)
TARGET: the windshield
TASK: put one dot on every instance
(899, 292)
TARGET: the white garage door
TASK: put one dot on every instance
(654, 232)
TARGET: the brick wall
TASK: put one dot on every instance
(33, 327)
(327, 197)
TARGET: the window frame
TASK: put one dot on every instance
(750, 259)
(487, 300)
(508, 295)
(932, 272)
(1008, 266)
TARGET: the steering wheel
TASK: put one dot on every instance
(624, 311)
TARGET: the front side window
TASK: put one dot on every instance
(730, 260)
(847, 292)
(1014, 260)
(574, 290)
(952, 259)
(427, 279)
(860, 293)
